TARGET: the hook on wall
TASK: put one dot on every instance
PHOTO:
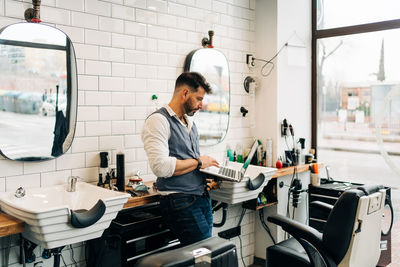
(207, 42)
(244, 111)
(33, 14)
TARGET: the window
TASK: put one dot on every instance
(356, 91)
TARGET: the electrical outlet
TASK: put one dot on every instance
(249, 60)
(232, 232)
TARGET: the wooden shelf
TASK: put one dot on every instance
(150, 197)
(289, 170)
(266, 205)
(10, 225)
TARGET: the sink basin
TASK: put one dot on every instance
(47, 212)
(233, 192)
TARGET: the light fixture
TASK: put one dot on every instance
(33, 14)
(207, 42)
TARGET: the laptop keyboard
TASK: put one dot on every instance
(227, 172)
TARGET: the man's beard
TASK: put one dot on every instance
(190, 111)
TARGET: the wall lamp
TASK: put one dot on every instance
(33, 14)
(207, 42)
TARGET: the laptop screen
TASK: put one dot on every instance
(250, 156)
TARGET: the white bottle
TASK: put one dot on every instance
(154, 107)
(268, 152)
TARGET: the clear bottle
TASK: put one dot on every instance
(268, 152)
(260, 154)
(154, 99)
(239, 153)
(228, 154)
(154, 106)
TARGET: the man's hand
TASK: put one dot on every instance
(208, 161)
(186, 165)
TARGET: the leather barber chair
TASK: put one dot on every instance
(351, 235)
(214, 251)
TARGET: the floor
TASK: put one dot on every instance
(395, 247)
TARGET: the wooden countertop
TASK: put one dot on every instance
(289, 170)
(150, 197)
(10, 225)
(153, 196)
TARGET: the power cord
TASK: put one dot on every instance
(241, 246)
(63, 260)
(268, 62)
(72, 256)
(295, 177)
(241, 251)
(265, 226)
(287, 143)
(289, 190)
(307, 210)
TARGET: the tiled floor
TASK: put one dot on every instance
(395, 245)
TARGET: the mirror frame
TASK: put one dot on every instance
(72, 87)
(186, 68)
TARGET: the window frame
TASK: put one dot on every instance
(334, 32)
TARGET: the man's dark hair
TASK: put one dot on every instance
(194, 80)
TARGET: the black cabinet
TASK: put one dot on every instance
(135, 233)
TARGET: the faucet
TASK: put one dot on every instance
(110, 180)
(71, 186)
(20, 192)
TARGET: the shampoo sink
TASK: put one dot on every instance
(47, 212)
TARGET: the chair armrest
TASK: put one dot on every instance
(322, 207)
(298, 230)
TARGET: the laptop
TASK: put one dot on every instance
(230, 174)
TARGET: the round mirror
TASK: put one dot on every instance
(38, 92)
(212, 120)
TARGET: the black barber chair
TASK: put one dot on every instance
(214, 251)
(351, 235)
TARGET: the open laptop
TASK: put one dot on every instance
(230, 174)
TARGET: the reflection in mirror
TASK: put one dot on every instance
(38, 92)
(213, 119)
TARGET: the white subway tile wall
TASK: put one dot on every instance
(128, 50)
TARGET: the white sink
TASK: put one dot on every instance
(233, 192)
(47, 212)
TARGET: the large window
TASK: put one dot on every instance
(356, 90)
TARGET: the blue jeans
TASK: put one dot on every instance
(188, 216)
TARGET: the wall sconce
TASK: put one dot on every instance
(33, 14)
(247, 81)
(207, 42)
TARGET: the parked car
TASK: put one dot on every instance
(29, 103)
(48, 107)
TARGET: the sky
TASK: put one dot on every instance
(357, 59)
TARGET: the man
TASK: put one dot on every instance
(171, 142)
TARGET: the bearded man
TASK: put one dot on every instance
(171, 142)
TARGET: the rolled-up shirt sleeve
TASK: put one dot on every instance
(155, 134)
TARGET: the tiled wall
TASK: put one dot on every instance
(128, 50)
